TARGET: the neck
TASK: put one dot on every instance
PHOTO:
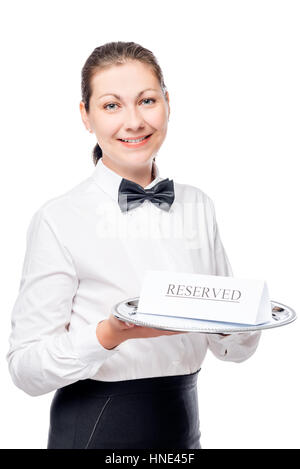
(142, 176)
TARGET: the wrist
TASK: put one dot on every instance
(106, 336)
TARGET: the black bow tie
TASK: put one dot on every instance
(131, 195)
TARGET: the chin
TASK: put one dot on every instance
(138, 159)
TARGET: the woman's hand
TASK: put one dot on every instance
(111, 332)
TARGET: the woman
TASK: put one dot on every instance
(117, 385)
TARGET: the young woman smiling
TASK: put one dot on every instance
(117, 386)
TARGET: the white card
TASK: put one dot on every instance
(206, 297)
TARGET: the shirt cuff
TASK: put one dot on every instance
(236, 347)
(87, 346)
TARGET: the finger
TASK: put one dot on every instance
(129, 324)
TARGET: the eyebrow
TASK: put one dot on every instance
(118, 97)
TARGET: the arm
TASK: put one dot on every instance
(235, 347)
(43, 356)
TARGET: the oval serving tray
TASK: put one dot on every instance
(126, 311)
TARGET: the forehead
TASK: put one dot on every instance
(124, 79)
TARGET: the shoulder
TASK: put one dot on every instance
(60, 205)
(189, 193)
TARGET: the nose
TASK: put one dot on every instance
(133, 119)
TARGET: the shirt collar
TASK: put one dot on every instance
(109, 181)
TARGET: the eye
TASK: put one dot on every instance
(110, 104)
(149, 99)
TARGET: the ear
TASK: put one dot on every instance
(168, 103)
(84, 116)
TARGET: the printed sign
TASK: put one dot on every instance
(206, 297)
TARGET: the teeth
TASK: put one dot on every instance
(134, 141)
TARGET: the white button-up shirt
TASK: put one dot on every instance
(83, 256)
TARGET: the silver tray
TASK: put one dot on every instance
(127, 311)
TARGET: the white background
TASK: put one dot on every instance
(232, 71)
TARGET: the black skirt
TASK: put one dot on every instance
(146, 413)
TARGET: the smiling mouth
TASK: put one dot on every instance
(134, 140)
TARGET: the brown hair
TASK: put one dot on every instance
(113, 53)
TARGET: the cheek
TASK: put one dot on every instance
(107, 128)
(158, 119)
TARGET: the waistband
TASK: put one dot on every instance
(143, 385)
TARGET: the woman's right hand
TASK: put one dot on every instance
(112, 331)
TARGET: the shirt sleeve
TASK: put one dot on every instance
(235, 347)
(43, 355)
